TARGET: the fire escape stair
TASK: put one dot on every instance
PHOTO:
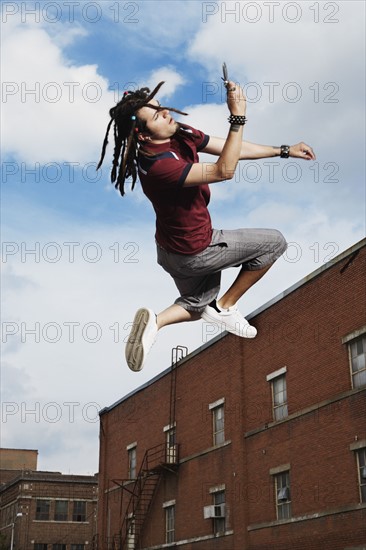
(156, 461)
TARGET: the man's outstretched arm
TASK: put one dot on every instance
(252, 151)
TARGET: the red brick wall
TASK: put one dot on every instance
(337, 532)
(323, 471)
(303, 332)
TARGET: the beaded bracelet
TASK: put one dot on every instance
(237, 119)
(285, 151)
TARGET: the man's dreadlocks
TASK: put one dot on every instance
(126, 126)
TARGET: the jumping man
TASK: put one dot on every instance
(164, 154)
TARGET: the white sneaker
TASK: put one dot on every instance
(141, 338)
(231, 320)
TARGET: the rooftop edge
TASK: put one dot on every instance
(348, 252)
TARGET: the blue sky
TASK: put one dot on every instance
(78, 260)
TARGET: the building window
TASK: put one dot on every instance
(170, 524)
(218, 417)
(361, 466)
(219, 515)
(79, 511)
(357, 353)
(40, 546)
(283, 497)
(218, 425)
(132, 462)
(131, 532)
(218, 421)
(279, 393)
(217, 510)
(77, 547)
(279, 396)
(61, 510)
(43, 510)
(171, 445)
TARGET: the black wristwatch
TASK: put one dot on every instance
(285, 151)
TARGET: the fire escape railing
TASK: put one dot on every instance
(156, 460)
(142, 489)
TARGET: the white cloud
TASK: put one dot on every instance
(274, 48)
(278, 62)
(53, 110)
(171, 78)
(274, 61)
(63, 36)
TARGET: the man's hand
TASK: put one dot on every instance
(303, 151)
(236, 99)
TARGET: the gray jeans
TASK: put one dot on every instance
(198, 277)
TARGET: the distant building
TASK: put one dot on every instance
(13, 461)
(18, 459)
(47, 511)
(249, 444)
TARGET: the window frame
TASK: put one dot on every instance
(64, 516)
(171, 444)
(280, 409)
(41, 515)
(75, 515)
(131, 537)
(169, 523)
(218, 433)
(219, 524)
(361, 464)
(282, 481)
(352, 342)
(132, 461)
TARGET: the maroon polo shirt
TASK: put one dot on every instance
(183, 223)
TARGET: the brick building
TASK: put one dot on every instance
(14, 461)
(249, 444)
(47, 511)
(18, 459)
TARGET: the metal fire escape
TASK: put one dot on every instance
(156, 461)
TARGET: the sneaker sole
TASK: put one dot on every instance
(134, 348)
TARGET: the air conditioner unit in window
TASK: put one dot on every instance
(214, 511)
(283, 494)
(363, 472)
